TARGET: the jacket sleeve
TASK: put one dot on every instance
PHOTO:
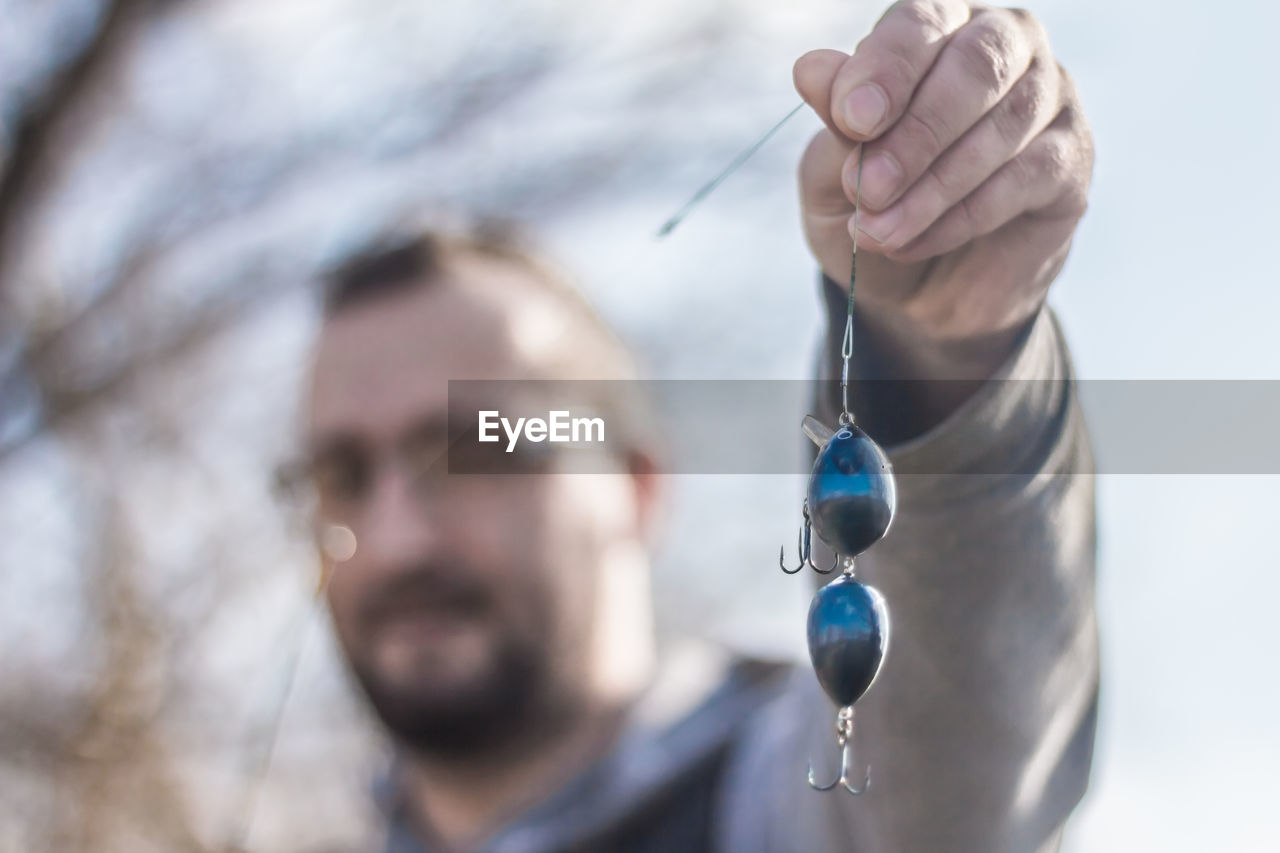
(980, 727)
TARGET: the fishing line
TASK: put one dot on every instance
(735, 164)
(270, 734)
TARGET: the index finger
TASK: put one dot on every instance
(873, 87)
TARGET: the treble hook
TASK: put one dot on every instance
(782, 551)
(844, 738)
(804, 545)
(809, 560)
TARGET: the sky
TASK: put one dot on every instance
(1170, 278)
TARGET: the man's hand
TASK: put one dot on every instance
(977, 168)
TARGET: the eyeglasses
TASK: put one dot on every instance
(341, 477)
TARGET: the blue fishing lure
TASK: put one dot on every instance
(850, 503)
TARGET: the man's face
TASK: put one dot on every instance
(469, 599)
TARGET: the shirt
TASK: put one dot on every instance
(980, 727)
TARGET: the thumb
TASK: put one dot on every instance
(825, 188)
(814, 74)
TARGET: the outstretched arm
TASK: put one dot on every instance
(976, 164)
(980, 729)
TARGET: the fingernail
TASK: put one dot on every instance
(880, 226)
(864, 109)
(880, 177)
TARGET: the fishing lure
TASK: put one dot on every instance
(850, 502)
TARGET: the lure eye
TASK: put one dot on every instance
(851, 497)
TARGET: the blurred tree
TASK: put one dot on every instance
(172, 175)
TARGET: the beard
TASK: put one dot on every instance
(466, 722)
(495, 703)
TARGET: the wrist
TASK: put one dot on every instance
(895, 347)
(905, 379)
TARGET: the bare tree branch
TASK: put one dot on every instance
(21, 172)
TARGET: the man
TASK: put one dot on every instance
(498, 623)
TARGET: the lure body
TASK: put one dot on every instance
(848, 636)
(851, 495)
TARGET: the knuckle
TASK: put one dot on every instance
(900, 73)
(1022, 106)
(949, 181)
(928, 16)
(1029, 24)
(921, 136)
(1029, 99)
(1077, 201)
(1053, 160)
(1070, 119)
(1068, 94)
(986, 52)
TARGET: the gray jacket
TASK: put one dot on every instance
(980, 727)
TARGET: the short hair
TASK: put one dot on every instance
(379, 269)
(405, 259)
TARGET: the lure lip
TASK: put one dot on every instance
(818, 432)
